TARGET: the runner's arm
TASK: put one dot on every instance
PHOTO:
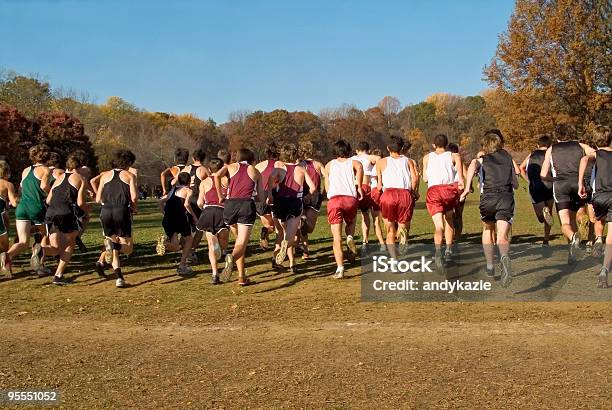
(187, 205)
(81, 195)
(472, 169)
(459, 167)
(414, 176)
(358, 168)
(523, 168)
(95, 182)
(546, 165)
(12, 195)
(217, 180)
(312, 187)
(44, 180)
(584, 162)
(425, 162)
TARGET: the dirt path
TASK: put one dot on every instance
(311, 364)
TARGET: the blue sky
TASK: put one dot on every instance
(211, 58)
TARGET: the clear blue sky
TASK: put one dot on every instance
(211, 58)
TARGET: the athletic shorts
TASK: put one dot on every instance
(287, 208)
(589, 190)
(496, 206)
(116, 221)
(66, 223)
(342, 208)
(177, 224)
(239, 211)
(566, 195)
(397, 205)
(33, 212)
(441, 198)
(375, 196)
(540, 193)
(3, 230)
(602, 205)
(211, 220)
(313, 201)
(365, 202)
(263, 208)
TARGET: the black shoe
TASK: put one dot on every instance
(81, 245)
(59, 280)
(100, 270)
(490, 272)
(216, 280)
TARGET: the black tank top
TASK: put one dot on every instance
(175, 205)
(116, 193)
(496, 172)
(603, 171)
(566, 158)
(64, 198)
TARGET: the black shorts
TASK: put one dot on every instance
(566, 195)
(116, 221)
(64, 223)
(287, 208)
(239, 211)
(263, 208)
(212, 220)
(589, 190)
(177, 224)
(602, 205)
(497, 206)
(313, 201)
(540, 193)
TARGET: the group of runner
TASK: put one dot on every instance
(227, 193)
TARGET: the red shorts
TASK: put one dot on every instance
(442, 198)
(365, 202)
(396, 205)
(375, 196)
(341, 208)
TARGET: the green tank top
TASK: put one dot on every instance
(30, 189)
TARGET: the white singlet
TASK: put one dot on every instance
(341, 179)
(440, 170)
(368, 168)
(397, 174)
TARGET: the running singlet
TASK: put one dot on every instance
(175, 205)
(313, 174)
(265, 174)
(64, 198)
(440, 170)
(368, 167)
(32, 203)
(241, 186)
(341, 179)
(602, 182)
(497, 172)
(534, 166)
(288, 188)
(211, 198)
(396, 174)
(116, 193)
(565, 160)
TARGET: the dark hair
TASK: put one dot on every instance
(306, 149)
(497, 132)
(215, 164)
(453, 147)
(123, 159)
(395, 144)
(39, 153)
(272, 151)
(363, 146)
(440, 141)
(491, 142)
(224, 156)
(183, 178)
(81, 155)
(73, 161)
(181, 155)
(377, 151)
(564, 132)
(199, 155)
(342, 149)
(289, 153)
(544, 140)
(245, 154)
(602, 137)
(55, 160)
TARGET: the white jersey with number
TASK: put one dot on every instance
(440, 170)
(341, 179)
(397, 174)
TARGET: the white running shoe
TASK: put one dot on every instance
(226, 273)
(574, 248)
(402, 233)
(548, 218)
(352, 247)
(35, 259)
(160, 248)
(282, 252)
(339, 273)
(120, 283)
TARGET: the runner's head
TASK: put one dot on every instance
(224, 156)
(544, 141)
(440, 141)
(123, 159)
(289, 153)
(395, 144)
(73, 162)
(342, 149)
(245, 155)
(215, 164)
(183, 179)
(306, 149)
(199, 155)
(39, 154)
(55, 160)
(363, 147)
(602, 138)
(82, 155)
(272, 152)
(181, 156)
(453, 147)
(565, 132)
(491, 142)
(377, 151)
(5, 170)
(498, 133)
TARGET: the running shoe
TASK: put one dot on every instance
(352, 247)
(574, 247)
(43, 271)
(59, 280)
(548, 218)
(6, 267)
(438, 261)
(226, 273)
(490, 272)
(184, 270)
(402, 234)
(597, 251)
(108, 248)
(506, 275)
(160, 248)
(602, 278)
(100, 270)
(120, 283)
(35, 259)
(263, 238)
(282, 252)
(339, 273)
(215, 280)
(448, 256)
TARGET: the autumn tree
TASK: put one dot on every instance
(16, 137)
(390, 107)
(28, 95)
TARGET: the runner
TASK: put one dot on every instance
(239, 208)
(563, 159)
(286, 185)
(7, 196)
(62, 221)
(458, 219)
(498, 181)
(178, 220)
(84, 211)
(602, 192)
(54, 163)
(340, 175)
(375, 208)
(312, 200)
(365, 203)
(540, 191)
(443, 172)
(198, 172)
(397, 180)
(119, 197)
(264, 210)
(211, 220)
(30, 212)
(181, 156)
